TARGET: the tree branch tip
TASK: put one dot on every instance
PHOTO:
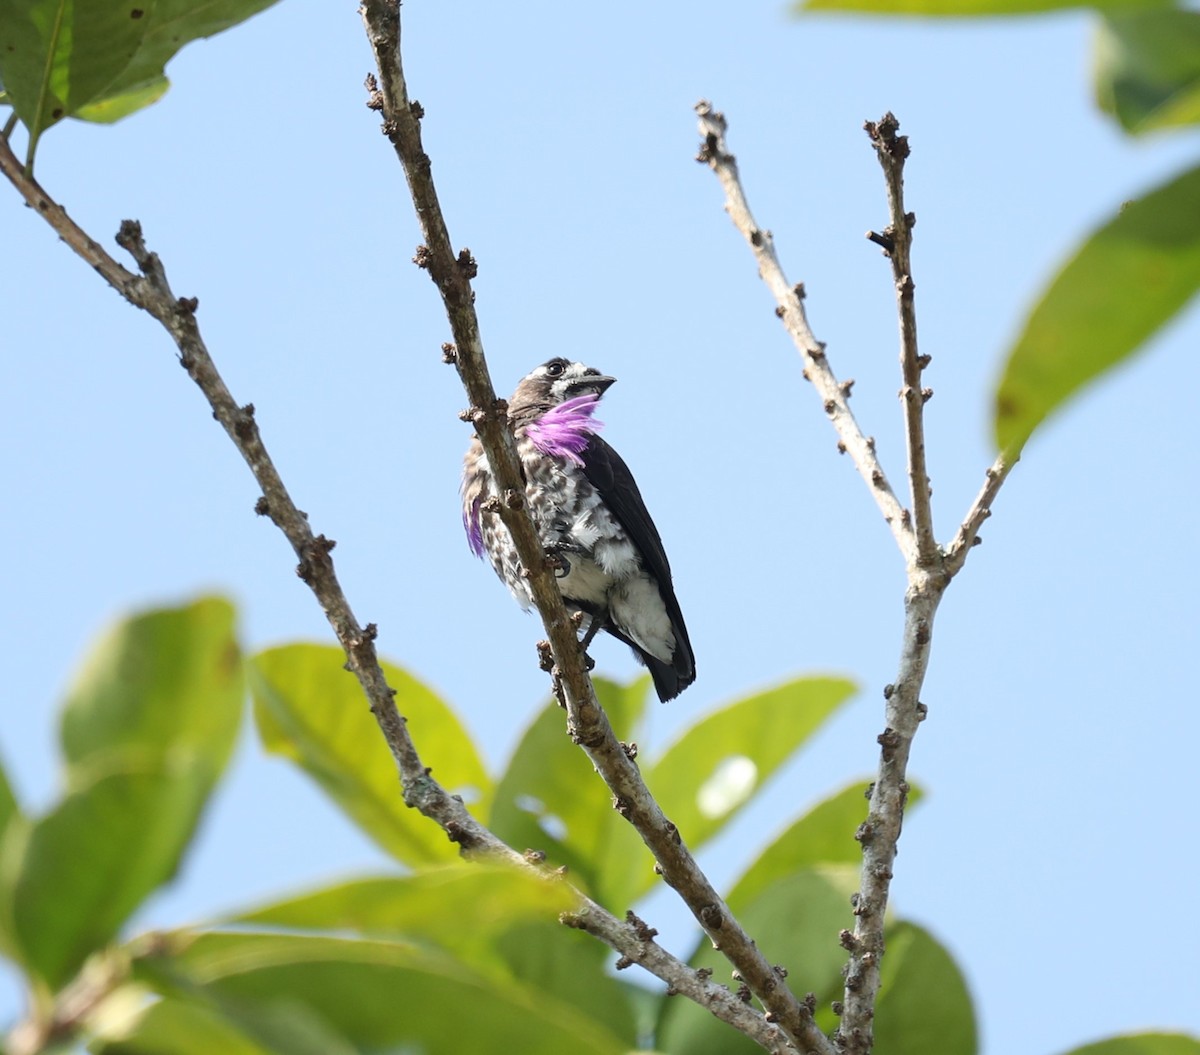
(799, 290)
(417, 110)
(926, 395)
(449, 353)
(262, 507)
(923, 361)
(467, 264)
(885, 241)
(846, 387)
(421, 257)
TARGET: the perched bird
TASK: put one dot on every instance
(592, 521)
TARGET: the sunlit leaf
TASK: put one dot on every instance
(551, 799)
(311, 711)
(1147, 68)
(719, 764)
(823, 836)
(1124, 283)
(380, 995)
(969, 8)
(147, 730)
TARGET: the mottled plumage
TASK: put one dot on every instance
(590, 516)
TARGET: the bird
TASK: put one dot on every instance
(590, 516)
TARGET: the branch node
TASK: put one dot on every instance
(449, 353)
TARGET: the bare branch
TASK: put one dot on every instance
(981, 509)
(790, 300)
(892, 150)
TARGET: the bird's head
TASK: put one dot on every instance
(553, 383)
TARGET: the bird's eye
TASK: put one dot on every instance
(555, 369)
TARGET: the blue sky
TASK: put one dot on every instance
(1055, 853)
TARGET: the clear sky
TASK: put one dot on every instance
(1056, 852)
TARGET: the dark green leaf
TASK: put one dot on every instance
(823, 836)
(550, 798)
(969, 8)
(1147, 69)
(310, 710)
(1142, 1044)
(381, 996)
(717, 766)
(923, 1001)
(147, 731)
(1126, 281)
(99, 59)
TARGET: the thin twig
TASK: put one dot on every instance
(587, 723)
(151, 292)
(981, 509)
(892, 151)
(834, 395)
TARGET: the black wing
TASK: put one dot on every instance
(607, 472)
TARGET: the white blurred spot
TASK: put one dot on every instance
(731, 784)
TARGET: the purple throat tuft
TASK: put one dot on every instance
(561, 432)
(564, 431)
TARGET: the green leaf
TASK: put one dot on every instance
(1142, 1044)
(1124, 283)
(112, 108)
(10, 810)
(796, 922)
(161, 687)
(719, 764)
(99, 59)
(59, 55)
(147, 731)
(380, 995)
(172, 1027)
(823, 836)
(501, 921)
(311, 711)
(550, 798)
(924, 1004)
(969, 8)
(1147, 69)
(130, 829)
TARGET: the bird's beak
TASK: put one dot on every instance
(598, 383)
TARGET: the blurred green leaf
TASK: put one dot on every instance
(1124, 283)
(1142, 1044)
(969, 8)
(796, 923)
(719, 764)
(165, 687)
(63, 58)
(174, 1027)
(923, 1004)
(824, 835)
(311, 711)
(9, 808)
(462, 908)
(550, 798)
(1147, 69)
(380, 995)
(83, 868)
(147, 730)
(500, 921)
